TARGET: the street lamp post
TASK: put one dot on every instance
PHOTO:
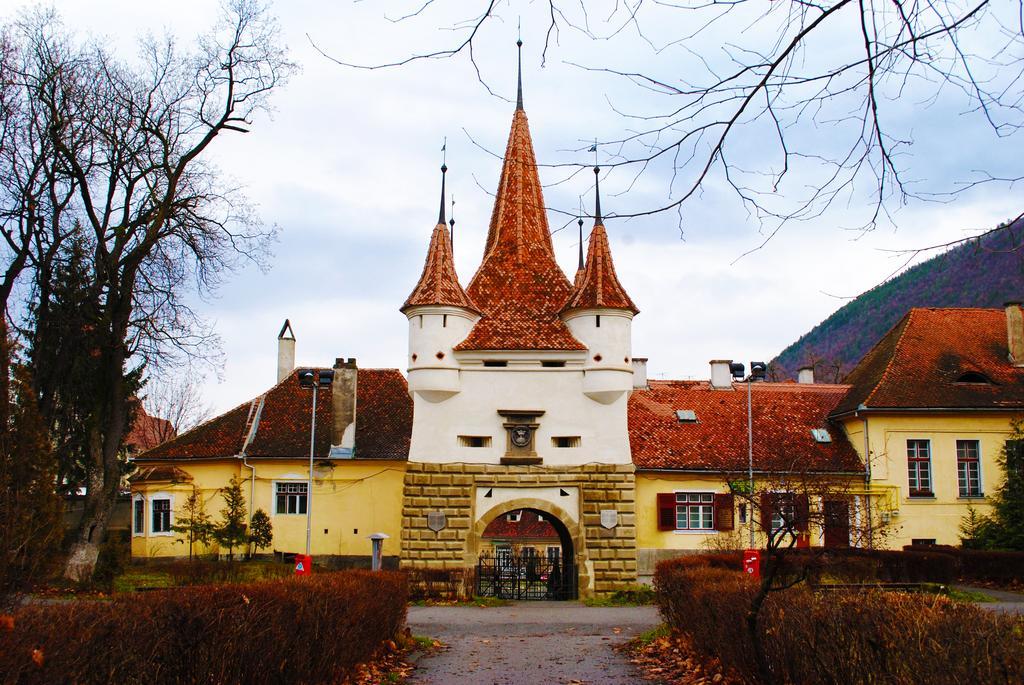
(315, 379)
(757, 372)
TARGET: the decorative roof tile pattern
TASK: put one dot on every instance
(599, 287)
(280, 421)
(917, 364)
(383, 415)
(439, 284)
(529, 527)
(283, 422)
(519, 287)
(221, 436)
(784, 414)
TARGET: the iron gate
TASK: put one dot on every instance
(526, 576)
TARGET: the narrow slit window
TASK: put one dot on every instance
(566, 441)
(444, 321)
(475, 440)
(552, 364)
(598, 320)
(496, 363)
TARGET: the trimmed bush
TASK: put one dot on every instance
(862, 637)
(312, 629)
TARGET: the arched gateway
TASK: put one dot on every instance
(520, 384)
(525, 552)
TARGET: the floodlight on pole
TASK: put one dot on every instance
(315, 379)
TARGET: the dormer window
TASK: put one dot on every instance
(974, 377)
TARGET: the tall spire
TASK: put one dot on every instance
(439, 284)
(444, 171)
(581, 264)
(519, 92)
(596, 285)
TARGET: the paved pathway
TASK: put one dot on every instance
(1006, 602)
(529, 642)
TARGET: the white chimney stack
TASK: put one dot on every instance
(639, 372)
(1015, 332)
(805, 375)
(721, 376)
(285, 351)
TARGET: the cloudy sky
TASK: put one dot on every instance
(347, 169)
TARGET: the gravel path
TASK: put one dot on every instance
(529, 642)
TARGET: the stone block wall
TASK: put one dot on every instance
(607, 558)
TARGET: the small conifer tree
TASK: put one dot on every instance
(231, 531)
(1004, 527)
(261, 531)
(194, 522)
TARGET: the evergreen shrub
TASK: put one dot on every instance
(856, 637)
(312, 629)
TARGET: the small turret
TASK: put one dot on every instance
(440, 316)
(599, 313)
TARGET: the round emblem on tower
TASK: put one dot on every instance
(521, 436)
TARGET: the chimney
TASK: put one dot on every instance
(639, 372)
(805, 375)
(343, 407)
(721, 376)
(1015, 332)
(285, 351)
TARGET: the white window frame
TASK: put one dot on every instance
(981, 470)
(140, 532)
(153, 498)
(696, 531)
(273, 496)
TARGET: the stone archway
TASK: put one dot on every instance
(570, 531)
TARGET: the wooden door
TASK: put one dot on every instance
(837, 523)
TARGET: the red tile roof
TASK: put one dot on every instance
(280, 423)
(599, 287)
(528, 527)
(519, 287)
(917, 364)
(147, 431)
(784, 414)
(165, 473)
(439, 284)
(383, 415)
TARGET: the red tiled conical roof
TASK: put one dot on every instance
(599, 287)
(439, 284)
(519, 287)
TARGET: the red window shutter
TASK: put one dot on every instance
(666, 511)
(766, 511)
(724, 512)
(802, 508)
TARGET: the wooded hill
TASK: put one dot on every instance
(985, 272)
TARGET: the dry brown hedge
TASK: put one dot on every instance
(314, 629)
(864, 637)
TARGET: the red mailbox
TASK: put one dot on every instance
(303, 564)
(752, 563)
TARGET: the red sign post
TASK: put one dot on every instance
(752, 563)
(303, 564)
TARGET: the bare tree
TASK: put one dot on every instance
(178, 401)
(794, 107)
(796, 510)
(155, 218)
